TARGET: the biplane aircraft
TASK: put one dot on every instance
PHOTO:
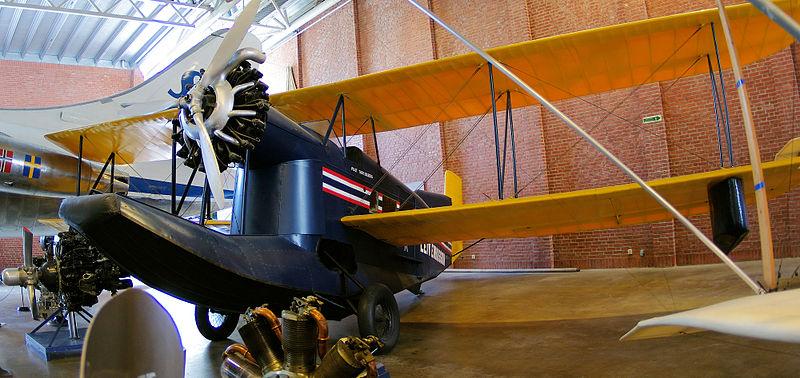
(312, 215)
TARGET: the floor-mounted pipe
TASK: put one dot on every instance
(762, 206)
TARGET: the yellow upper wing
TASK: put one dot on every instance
(560, 67)
(583, 210)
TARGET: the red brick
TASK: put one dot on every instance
(31, 85)
(551, 158)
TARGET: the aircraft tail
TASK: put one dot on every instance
(453, 188)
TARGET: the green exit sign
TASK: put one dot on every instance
(652, 119)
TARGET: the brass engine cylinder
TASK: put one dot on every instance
(299, 342)
(263, 344)
(340, 361)
(236, 366)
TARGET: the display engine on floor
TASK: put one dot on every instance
(69, 277)
(291, 350)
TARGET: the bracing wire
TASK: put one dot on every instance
(608, 113)
(629, 95)
(420, 135)
(635, 124)
(451, 152)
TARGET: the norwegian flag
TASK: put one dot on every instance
(6, 160)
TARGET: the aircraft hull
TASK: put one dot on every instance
(226, 272)
(287, 238)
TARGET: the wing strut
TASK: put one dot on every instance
(762, 206)
(551, 108)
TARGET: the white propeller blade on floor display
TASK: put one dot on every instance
(772, 316)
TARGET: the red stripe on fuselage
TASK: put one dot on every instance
(348, 199)
(347, 179)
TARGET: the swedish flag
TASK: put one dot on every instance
(32, 167)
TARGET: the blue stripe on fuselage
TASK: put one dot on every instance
(148, 186)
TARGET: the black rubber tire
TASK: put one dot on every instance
(211, 331)
(378, 315)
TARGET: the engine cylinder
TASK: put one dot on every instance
(14, 277)
(299, 342)
(234, 366)
(340, 361)
(263, 344)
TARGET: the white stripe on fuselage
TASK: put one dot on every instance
(344, 194)
(344, 182)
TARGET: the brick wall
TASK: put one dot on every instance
(392, 34)
(386, 34)
(11, 251)
(29, 84)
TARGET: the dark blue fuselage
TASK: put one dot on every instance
(286, 235)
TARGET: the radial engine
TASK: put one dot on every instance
(293, 348)
(71, 274)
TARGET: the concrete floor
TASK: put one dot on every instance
(515, 325)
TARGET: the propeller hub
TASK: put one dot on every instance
(224, 98)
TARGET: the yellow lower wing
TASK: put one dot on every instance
(134, 139)
(583, 210)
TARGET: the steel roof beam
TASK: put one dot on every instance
(108, 41)
(32, 27)
(134, 35)
(146, 47)
(281, 12)
(120, 25)
(72, 31)
(12, 29)
(200, 5)
(52, 34)
(128, 43)
(89, 39)
(94, 13)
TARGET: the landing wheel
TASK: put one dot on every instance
(214, 325)
(378, 315)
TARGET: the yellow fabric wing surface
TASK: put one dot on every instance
(134, 139)
(583, 210)
(559, 67)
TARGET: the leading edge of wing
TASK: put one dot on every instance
(559, 213)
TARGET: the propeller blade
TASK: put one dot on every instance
(211, 166)
(27, 248)
(27, 262)
(32, 302)
(231, 43)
